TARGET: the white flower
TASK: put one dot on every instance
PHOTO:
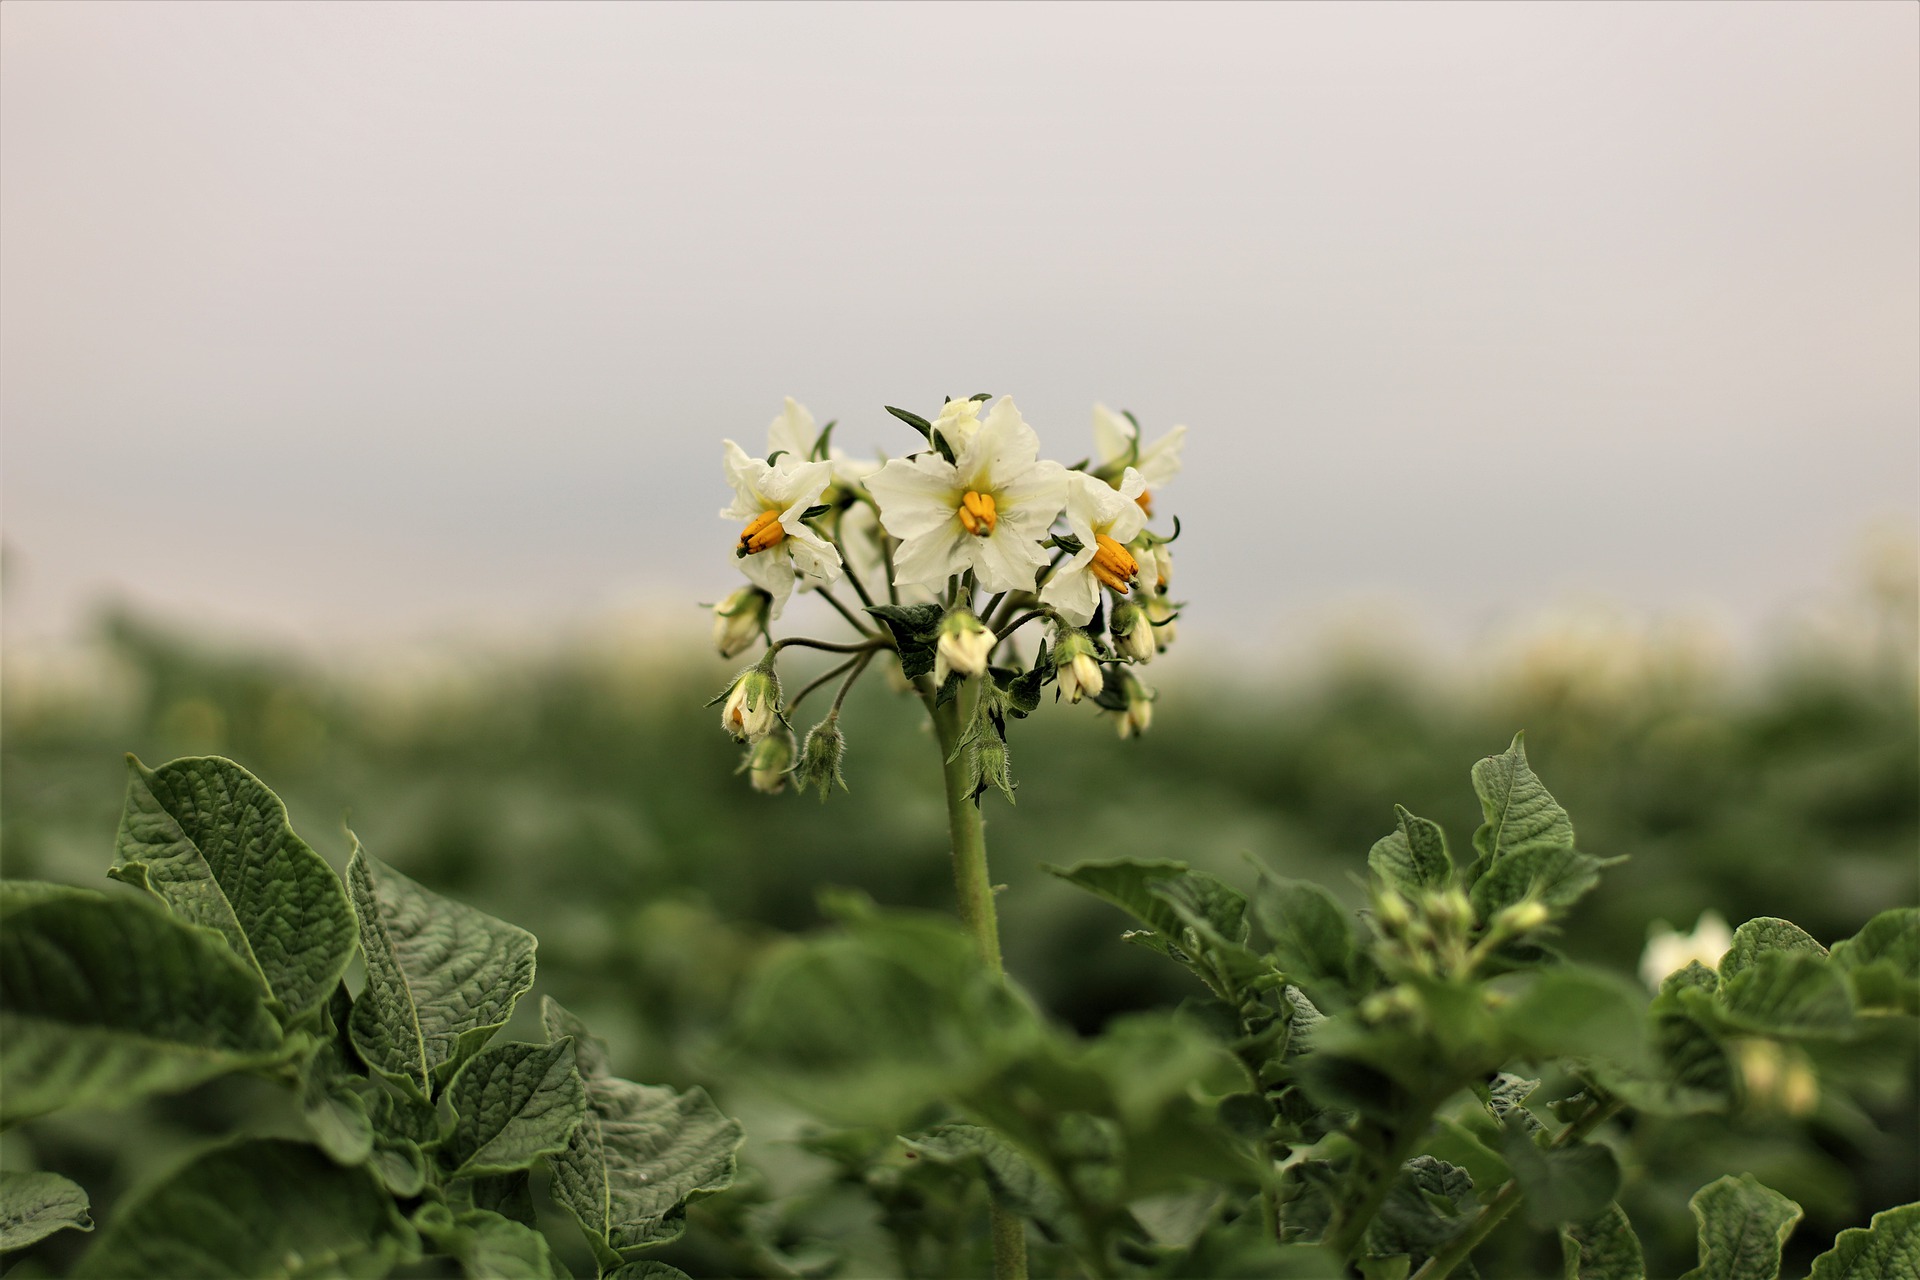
(1105, 519)
(987, 510)
(1138, 716)
(775, 547)
(964, 646)
(1669, 952)
(1116, 444)
(1075, 666)
(793, 434)
(957, 423)
(752, 707)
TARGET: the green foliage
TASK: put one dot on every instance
(1742, 1226)
(1603, 1248)
(35, 1205)
(1888, 1249)
(422, 1136)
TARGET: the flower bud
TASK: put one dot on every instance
(964, 645)
(1155, 561)
(1392, 911)
(1521, 917)
(1449, 910)
(1138, 715)
(739, 618)
(1800, 1090)
(752, 706)
(1132, 633)
(1161, 613)
(770, 761)
(820, 758)
(1075, 665)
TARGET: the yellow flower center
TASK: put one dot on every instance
(762, 532)
(977, 514)
(1112, 563)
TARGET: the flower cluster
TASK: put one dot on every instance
(951, 551)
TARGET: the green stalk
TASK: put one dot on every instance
(974, 891)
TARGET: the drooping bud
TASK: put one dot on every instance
(1076, 665)
(1521, 917)
(964, 645)
(740, 618)
(751, 705)
(1137, 716)
(770, 761)
(1161, 612)
(1131, 631)
(820, 758)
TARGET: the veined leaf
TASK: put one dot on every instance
(1761, 936)
(104, 1000)
(1012, 1178)
(35, 1205)
(332, 1100)
(1789, 993)
(212, 842)
(1743, 1225)
(1561, 1184)
(1429, 1203)
(639, 1154)
(1886, 1249)
(1555, 876)
(248, 1212)
(1414, 859)
(488, 1246)
(1521, 814)
(1882, 961)
(1126, 883)
(441, 976)
(1312, 933)
(513, 1103)
(1603, 1248)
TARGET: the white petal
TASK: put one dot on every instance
(1003, 447)
(1113, 435)
(1030, 499)
(1128, 518)
(929, 559)
(792, 431)
(1073, 590)
(1006, 561)
(1160, 461)
(773, 573)
(743, 474)
(916, 495)
(795, 486)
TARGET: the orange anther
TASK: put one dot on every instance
(1146, 501)
(977, 513)
(764, 531)
(1112, 563)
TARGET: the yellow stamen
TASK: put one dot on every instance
(1112, 563)
(977, 514)
(764, 531)
(1146, 501)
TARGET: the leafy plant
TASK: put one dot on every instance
(422, 1137)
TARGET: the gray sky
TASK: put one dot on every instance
(364, 321)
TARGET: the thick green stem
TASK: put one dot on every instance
(974, 891)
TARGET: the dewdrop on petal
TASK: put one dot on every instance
(964, 645)
(1076, 666)
(1132, 632)
(740, 619)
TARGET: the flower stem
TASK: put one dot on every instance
(974, 891)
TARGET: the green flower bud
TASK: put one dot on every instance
(1132, 633)
(1076, 664)
(739, 619)
(820, 758)
(770, 761)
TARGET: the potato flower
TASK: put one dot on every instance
(1104, 519)
(1669, 952)
(988, 510)
(775, 549)
(1116, 444)
(793, 433)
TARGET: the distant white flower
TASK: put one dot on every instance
(793, 434)
(1116, 445)
(1669, 952)
(988, 510)
(958, 421)
(1104, 519)
(775, 548)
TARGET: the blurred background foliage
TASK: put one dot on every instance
(585, 793)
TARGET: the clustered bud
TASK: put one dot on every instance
(740, 619)
(1076, 665)
(1132, 632)
(963, 647)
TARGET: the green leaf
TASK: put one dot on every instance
(1575, 1012)
(1557, 877)
(333, 1100)
(645, 1269)
(916, 633)
(260, 1209)
(508, 1194)
(1429, 1203)
(441, 976)
(213, 843)
(1312, 933)
(1603, 1248)
(513, 1103)
(1742, 1227)
(1011, 1178)
(1762, 936)
(1789, 993)
(488, 1246)
(1562, 1184)
(1127, 883)
(1882, 961)
(912, 419)
(640, 1153)
(1521, 815)
(1414, 859)
(18, 895)
(35, 1205)
(103, 1000)
(1888, 1249)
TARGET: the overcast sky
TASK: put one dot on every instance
(367, 321)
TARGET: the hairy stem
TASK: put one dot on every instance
(974, 890)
